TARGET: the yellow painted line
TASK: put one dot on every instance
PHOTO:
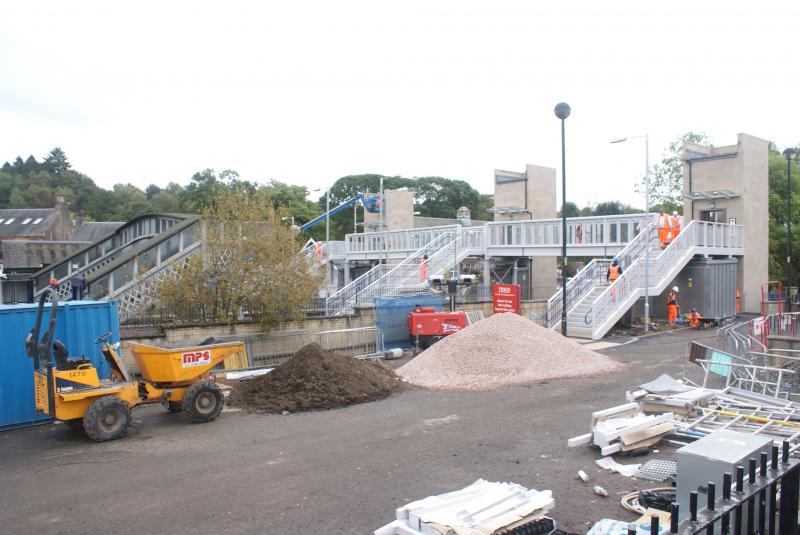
(759, 419)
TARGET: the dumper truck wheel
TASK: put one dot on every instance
(107, 418)
(203, 402)
(77, 423)
(174, 406)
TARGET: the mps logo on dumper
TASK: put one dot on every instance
(196, 358)
(446, 327)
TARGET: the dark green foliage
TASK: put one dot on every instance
(778, 210)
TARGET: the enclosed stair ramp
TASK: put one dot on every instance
(599, 307)
(593, 275)
(407, 277)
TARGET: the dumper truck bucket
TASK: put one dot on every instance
(181, 365)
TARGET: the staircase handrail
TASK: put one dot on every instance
(593, 274)
(629, 286)
(406, 275)
(360, 287)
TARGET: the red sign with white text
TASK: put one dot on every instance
(196, 358)
(506, 298)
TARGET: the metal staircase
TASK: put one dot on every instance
(384, 280)
(593, 275)
(598, 307)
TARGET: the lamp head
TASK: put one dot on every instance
(789, 153)
(562, 110)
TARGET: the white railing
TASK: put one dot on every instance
(581, 231)
(408, 277)
(327, 250)
(698, 236)
(395, 241)
(345, 298)
(590, 276)
(594, 273)
(375, 282)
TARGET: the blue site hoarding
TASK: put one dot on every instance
(391, 316)
(78, 324)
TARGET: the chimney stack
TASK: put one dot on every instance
(464, 216)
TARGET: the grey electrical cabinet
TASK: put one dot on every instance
(707, 284)
(709, 458)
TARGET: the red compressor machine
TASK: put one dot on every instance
(426, 325)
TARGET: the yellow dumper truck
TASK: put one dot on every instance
(70, 390)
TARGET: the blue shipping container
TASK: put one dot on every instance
(78, 324)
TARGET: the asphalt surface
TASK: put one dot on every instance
(339, 471)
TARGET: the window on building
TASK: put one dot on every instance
(61, 271)
(99, 288)
(190, 235)
(37, 220)
(123, 275)
(10, 220)
(146, 261)
(2, 219)
(170, 247)
(26, 220)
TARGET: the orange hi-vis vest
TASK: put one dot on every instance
(663, 221)
(613, 273)
(676, 223)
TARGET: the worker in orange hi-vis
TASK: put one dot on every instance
(738, 302)
(663, 228)
(694, 318)
(318, 251)
(423, 268)
(675, 226)
(672, 306)
(613, 273)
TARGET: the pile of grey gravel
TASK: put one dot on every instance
(502, 350)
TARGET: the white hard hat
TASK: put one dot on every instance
(674, 212)
(675, 289)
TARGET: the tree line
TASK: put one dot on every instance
(29, 183)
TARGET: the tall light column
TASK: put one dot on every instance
(562, 111)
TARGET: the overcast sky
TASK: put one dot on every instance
(306, 92)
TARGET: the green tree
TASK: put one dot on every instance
(56, 162)
(571, 210)
(614, 208)
(666, 177)
(129, 202)
(249, 262)
(778, 215)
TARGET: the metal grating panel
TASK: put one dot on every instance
(656, 470)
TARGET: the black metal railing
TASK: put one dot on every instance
(764, 502)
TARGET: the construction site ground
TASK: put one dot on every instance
(335, 471)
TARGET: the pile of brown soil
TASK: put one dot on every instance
(315, 379)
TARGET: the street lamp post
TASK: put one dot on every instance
(646, 225)
(562, 111)
(380, 222)
(789, 154)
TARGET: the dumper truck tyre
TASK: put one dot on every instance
(203, 402)
(77, 423)
(106, 419)
(174, 406)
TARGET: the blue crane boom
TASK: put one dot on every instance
(333, 211)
